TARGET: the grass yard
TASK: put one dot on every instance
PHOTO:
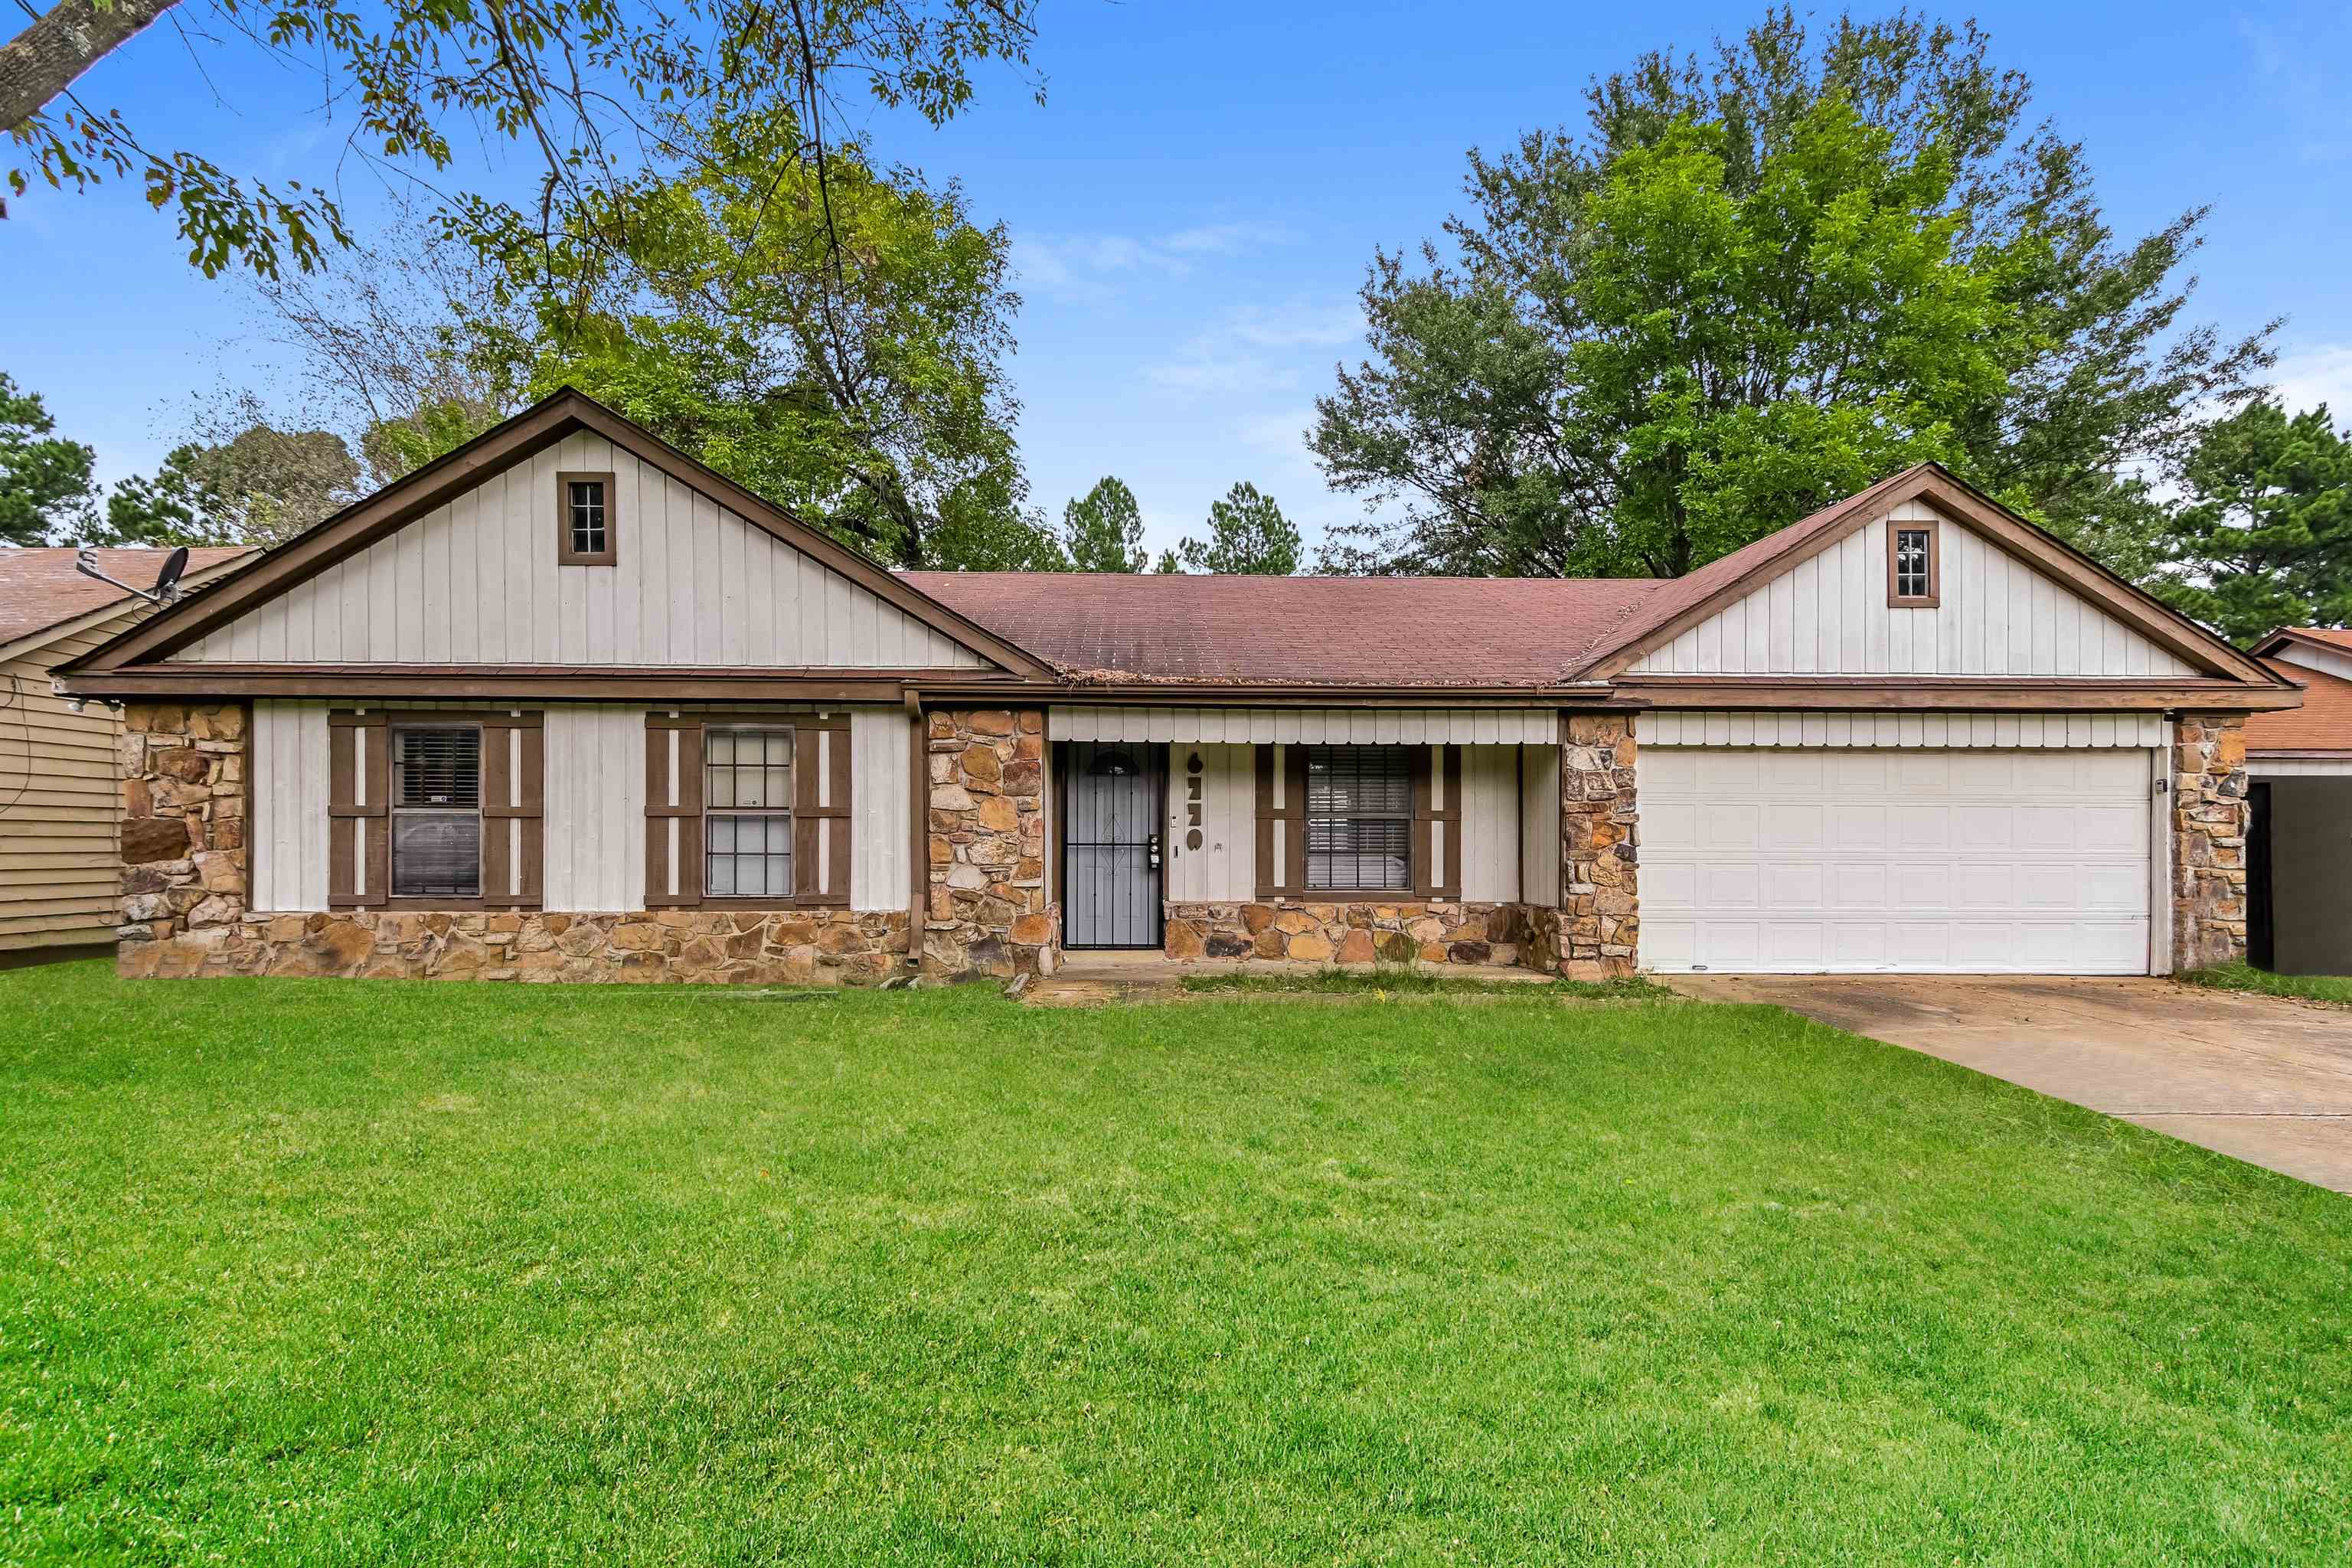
(325, 1272)
(2335, 988)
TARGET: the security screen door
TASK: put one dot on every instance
(1110, 844)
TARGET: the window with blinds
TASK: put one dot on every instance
(1360, 817)
(436, 813)
(747, 794)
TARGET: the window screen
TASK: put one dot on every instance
(437, 814)
(1912, 579)
(585, 501)
(747, 831)
(1360, 817)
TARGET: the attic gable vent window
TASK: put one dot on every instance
(1911, 567)
(584, 521)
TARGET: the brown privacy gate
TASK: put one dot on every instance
(1112, 807)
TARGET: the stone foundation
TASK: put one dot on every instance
(1417, 931)
(988, 913)
(797, 947)
(1599, 838)
(184, 853)
(2210, 812)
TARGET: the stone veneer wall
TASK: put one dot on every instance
(183, 852)
(1600, 839)
(1424, 931)
(185, 885)
(988, 913)
(799, 947)
(2211, 811)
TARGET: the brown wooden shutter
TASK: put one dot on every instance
(1437, 821)
(1281, 827)
(514, 785)
(673, 811)
(359, 809)
(820, 812)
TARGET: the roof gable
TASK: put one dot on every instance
(455, 565)
(2015, 601)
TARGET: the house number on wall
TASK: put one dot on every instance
(1192, 798)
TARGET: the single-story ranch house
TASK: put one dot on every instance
(2299, 766)
(566, 704)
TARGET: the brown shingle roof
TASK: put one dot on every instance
(2324, 722)
(39, 587)
(1280, 631)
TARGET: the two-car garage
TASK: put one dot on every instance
(1828, 843)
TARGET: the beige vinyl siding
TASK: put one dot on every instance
(595, 811)
(476, 582)
(1223, 869)
(61, 804)
(1828, 615)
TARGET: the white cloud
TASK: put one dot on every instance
(1257, 350)
(1081, 264)
(2306, 377)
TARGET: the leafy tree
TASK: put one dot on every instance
(1104, 530)
(833, 340)
(1752, 287)
(261, 485)
(2263, 539)
(44, 488)
(1248, 535)
(577, 83)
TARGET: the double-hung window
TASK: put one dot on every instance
(747, 825)
(1360, 817)
(437, 812)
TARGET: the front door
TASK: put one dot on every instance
(1111, 806)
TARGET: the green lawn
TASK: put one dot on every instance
(2246, 977)
(325, 1272)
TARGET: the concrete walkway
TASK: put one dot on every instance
(2265, 1079)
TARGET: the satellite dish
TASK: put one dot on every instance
(167, 580)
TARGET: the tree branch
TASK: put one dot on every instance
(44, 59)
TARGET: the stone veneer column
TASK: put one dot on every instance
(183, 850)
(988, 913)
(2211, 811)
(1600, 906)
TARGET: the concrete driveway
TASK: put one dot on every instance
(2264, 1080)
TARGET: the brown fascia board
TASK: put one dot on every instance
(649, 683)
(546, 422)
(2035, 546)
(1955, 693)
(2300, 753)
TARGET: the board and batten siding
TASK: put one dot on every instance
(594, 817)
(1224, 868)
(476, 582)
(1828, 614)
(60, 803)
(1539, 826)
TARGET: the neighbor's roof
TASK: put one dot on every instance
(1283, 631)
(39, 587)
(2337, 638)
(2324, 722)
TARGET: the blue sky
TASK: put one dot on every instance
(1193, 206)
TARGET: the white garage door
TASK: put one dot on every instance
(1801, 861)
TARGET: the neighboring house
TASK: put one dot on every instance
(2300, 764)
(60, 793)
(566, 704)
